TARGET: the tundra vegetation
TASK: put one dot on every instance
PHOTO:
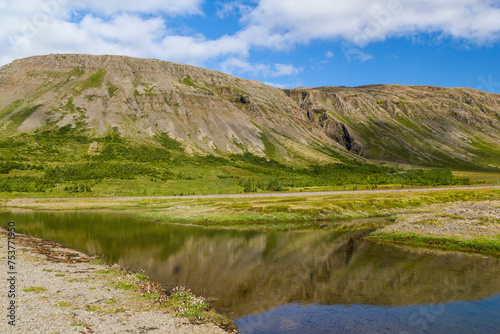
(68, 161)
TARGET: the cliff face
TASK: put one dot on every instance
(211, 112)
(430, 126)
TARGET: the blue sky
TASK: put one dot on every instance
(285, 43)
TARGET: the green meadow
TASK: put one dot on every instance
(71, 162)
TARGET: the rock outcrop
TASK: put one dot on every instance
(422, 125)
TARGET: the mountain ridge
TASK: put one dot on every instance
(160, 97)
(210, 112)
(412, 124)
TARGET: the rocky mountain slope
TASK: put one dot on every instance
(422, 125)
(207, 111)
(214, 113)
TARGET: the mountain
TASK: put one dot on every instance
(207, 111)
(79, 123)
(419, 125)
(210, 112)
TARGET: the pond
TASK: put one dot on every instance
(311, 281)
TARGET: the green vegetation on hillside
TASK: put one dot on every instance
(68, 160)
(19, 117)
(11, 107)
(95, 80)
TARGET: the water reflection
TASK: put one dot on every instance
(455, 317)
(250, 272)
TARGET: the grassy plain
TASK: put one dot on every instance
(478, 177)
(242, 211)
(343, 211)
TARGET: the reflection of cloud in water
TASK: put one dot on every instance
(253, 272)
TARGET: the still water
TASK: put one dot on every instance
(313, 281)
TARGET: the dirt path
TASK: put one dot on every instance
(276, 194)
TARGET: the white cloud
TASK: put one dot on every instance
(285, 70)
(109, 7)
(284, 85)
(238, 66)
(140, 28)
(197, 49)
(31, 27)
(329, 54)
(352, 52)
(365, 21)
(123, 34)
(125, 30)
(225, 9)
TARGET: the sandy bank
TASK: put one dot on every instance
(60, 290)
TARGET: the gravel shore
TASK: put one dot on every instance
(60, 290)
(462, 220)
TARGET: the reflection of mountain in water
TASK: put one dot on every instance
(251, 272)
(323, 267)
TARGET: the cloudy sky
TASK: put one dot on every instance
(286, 43)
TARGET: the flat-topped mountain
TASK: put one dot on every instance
(207, 111)
(210, 112)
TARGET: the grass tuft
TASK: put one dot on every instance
(35, 289)
(125, 286)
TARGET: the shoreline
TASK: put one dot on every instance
(58, 289)
(472, 227)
